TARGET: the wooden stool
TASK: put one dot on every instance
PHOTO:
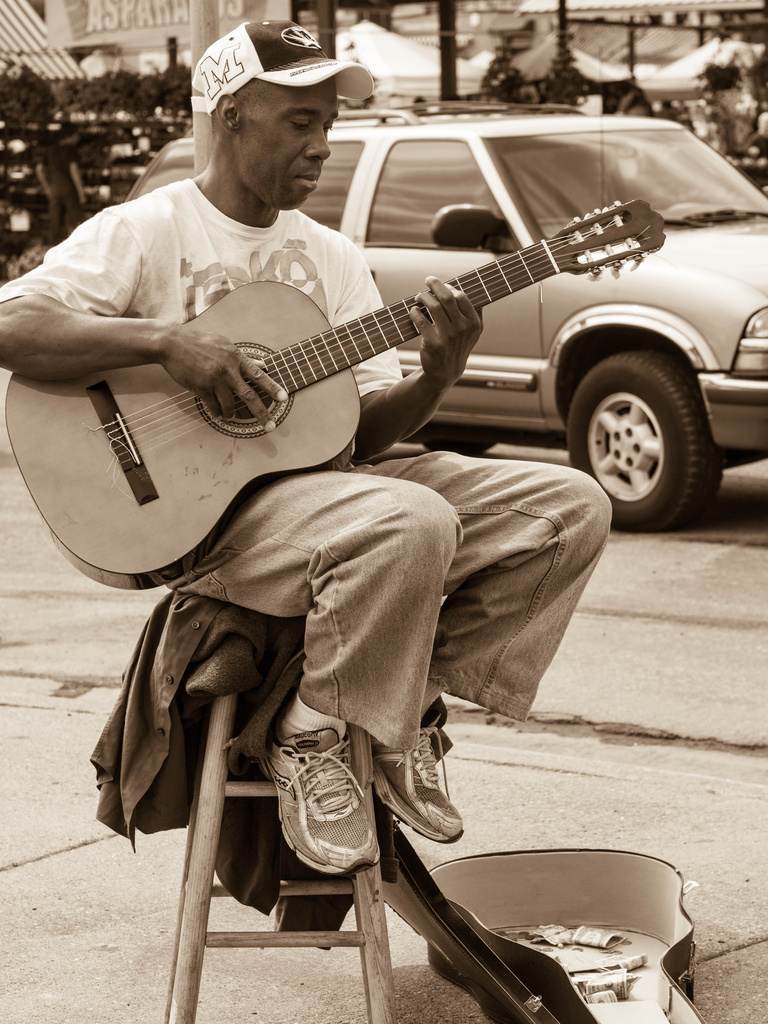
(197, 886)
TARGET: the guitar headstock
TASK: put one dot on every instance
(624, 232)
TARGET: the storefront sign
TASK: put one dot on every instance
(137, 24)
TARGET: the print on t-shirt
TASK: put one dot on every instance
(289, 265)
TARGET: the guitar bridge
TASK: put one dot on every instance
(122, 444)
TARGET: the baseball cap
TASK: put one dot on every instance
(274, 51)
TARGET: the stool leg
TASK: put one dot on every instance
(369, 903)
(202, 862)
(185, 870)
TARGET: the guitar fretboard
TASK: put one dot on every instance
(297, 366)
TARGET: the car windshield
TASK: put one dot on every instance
(555, 178)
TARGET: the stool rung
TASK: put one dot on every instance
(260, 940)
(250, 789)
(304, 887)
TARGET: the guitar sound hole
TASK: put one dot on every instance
(242, 412)
(244, 423)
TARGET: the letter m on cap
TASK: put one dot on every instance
(220, 69)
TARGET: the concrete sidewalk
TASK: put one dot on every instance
(86, 923)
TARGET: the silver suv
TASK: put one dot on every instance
(654, 377)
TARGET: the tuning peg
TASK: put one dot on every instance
(596, 273)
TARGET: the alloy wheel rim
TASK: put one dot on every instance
(626, 447)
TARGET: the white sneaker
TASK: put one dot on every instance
(407, 782)
(321, 804)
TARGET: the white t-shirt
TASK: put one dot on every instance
(171, 254)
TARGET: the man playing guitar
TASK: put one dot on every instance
(489, 556)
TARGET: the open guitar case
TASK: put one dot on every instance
(467, 909)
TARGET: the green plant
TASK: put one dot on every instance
(757, 77)
(564, 83)
(127, 93)
(731, 103)
(175, 91)
(721, 77)
(502, 80)
(25, 98)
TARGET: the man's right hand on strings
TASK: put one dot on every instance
(219, 373)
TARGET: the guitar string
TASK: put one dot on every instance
(279, 370)
(508, 282)
(362, 336)
(372, 320)
(143, 433)
(162, 436)
(180, 430)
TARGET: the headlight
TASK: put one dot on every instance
(758, 325)
(752, 355)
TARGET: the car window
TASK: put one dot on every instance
(418, 179)
(326, 204)
(557, 177)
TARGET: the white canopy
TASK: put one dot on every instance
(535, 64)
(682, 80)
(401, 66)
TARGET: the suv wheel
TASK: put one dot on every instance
(638, 425)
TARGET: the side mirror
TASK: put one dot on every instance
(465, 226)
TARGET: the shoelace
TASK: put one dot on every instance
(328, 780)
(425, 761)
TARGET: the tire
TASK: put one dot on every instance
(663, 468)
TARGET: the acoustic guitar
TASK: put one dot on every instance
(131, 474)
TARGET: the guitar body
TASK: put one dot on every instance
(199, 469)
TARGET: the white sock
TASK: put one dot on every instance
(298, 717)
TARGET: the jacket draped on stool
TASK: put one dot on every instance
(193, 649)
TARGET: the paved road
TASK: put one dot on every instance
(673, 628)
(650, 733)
